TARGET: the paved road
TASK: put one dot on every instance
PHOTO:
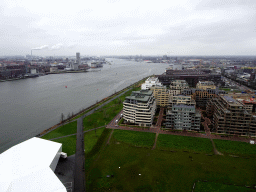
(79, 172)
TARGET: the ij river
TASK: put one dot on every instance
(29, 106)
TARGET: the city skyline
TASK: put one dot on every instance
(128, 28)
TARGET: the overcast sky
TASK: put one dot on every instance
(117, 27)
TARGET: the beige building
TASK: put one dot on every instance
(161, 95)
(205, 85)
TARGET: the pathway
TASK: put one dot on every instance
(158, 125)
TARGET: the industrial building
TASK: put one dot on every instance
(29, 166)
(161, 95)
(151, 81)
(139, 108)
(231, 116)
(192, 76)
(183, 117)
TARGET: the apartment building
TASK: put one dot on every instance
(161, 95)
(202, 96)
(181, 99)
(183, 117)
(151, 81)
(177, 86)
(205, 85)
(139, 108)
(230, 116)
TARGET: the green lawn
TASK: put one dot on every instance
(218, 187)
(235, 147)
(163, 170)
(175, 142)
(68, 144)
(90, 139)
(62, 130)
(142, 139)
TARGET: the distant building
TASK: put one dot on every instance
(183, 117)
(205, 85)
(192, 76)
(78, 60)
(151, 81)
(139, 108)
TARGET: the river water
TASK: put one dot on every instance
(29, 106)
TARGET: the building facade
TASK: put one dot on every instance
(139, 108)
(205, 85)
(231, 116)
(151, 81)
(183, 117)
(177, 86)
(181, 99)
(202, 96)
(161, 95)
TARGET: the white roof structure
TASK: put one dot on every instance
(29, 166)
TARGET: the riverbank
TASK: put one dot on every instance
(72, 117)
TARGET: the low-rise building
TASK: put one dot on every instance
(139, 108)
(151, 81)
(183, 117)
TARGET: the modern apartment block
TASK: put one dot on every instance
(151, 81)
(139, 108)
(161, 95)
(205, 85)
(231, 117)
(202, 96)
(183, 117)
(180, 99)
(177, 86)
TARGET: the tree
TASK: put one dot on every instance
(62, 118)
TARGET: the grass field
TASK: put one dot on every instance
(68, 144)
(235, 147)
(142, 139)
(143, 169)
(175, 142)
(218, 187)
(90, 139)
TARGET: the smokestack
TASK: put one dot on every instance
(31, 52)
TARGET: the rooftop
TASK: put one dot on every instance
(29, 166)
